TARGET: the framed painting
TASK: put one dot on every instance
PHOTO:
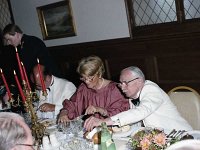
(56, 20)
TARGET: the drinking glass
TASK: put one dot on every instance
(77, 143)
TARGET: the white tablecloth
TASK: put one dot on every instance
(63, 139)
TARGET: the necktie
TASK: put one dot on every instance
(136, 101)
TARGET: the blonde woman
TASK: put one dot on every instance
(95, 96)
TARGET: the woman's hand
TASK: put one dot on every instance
(92, 110)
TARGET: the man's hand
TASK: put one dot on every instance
(46, 107)
(92, 122)
(63, 118)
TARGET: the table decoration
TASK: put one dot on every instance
(152, 139)
(28, 97)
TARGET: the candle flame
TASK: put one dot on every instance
(16, 49)
(38, 60)
(14, 72)
(1, 70)
(22, 63)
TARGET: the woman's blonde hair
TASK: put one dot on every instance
(90, 66)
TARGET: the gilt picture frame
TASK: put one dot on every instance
(56, 20)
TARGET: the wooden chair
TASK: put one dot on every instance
(187, 101)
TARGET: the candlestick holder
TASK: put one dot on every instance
(30, 117)
(13, 103)
(38, 129)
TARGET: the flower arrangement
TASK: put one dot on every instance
(149, 139)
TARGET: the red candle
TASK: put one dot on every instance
(19, 64)
(20, 88)
(6, 85)
(41, 77)
(26, 77)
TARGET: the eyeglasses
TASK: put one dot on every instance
(127, 82)
(89, 79)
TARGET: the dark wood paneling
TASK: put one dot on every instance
(169, 60)
(117, 64)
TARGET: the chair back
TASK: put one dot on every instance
(187, 101)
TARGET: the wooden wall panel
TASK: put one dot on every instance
(117, 64)
(179, 69)
(169, 61)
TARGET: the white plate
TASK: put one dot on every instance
(125, 134)
(185, 145)
(194, 133)
(48, 122)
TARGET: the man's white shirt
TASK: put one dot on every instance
(59, 90)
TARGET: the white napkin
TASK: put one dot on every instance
(91, 134)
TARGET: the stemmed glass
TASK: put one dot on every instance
(74, 140)
(76, 127)
(77, 143)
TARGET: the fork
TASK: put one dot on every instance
(171, 133)
(180, 132)
(177, 134)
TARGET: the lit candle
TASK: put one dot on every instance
(19, 64)
(20, 88)
(6, 85)
(41, 78)
(26, 77)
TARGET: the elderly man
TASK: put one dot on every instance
(152, 106)
(58, 90)
(14, 133)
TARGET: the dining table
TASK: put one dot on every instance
(72, 137)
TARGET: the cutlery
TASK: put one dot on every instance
(180, 133)
(176, 134)
(171, 133)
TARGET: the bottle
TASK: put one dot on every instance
(107, 142)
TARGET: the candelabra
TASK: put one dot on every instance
(27, 97)
(38, 129)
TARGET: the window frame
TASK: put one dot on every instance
(168, 29)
